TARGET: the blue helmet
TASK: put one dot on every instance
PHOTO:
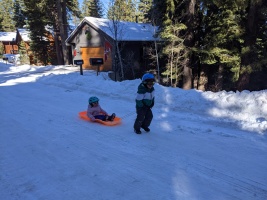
(93, 100)
(148, 77)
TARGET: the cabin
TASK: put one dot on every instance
(23, 35)
(94, 39)
(8, 39)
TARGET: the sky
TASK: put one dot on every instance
(202, 145)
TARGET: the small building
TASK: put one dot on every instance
(23, 35)
(95, 38)
(8, 39)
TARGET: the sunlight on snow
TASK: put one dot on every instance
(165, 125)
(16, 81)
(181, 186)
(240, 107)
(28, 74)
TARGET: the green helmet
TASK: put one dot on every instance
(93, 100)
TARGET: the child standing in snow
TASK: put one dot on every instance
(144, 103)
(94, 111)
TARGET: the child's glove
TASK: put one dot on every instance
(151, 106)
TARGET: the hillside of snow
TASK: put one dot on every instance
(202, 145)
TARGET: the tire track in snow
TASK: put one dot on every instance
(249, 188)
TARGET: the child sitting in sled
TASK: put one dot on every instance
(94, 111)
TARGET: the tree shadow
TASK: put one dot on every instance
(246, 110)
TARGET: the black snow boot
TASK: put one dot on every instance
(137, 131)
(146, 129)
(112, 117)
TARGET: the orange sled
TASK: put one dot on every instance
(116, 121)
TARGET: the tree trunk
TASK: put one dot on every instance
(120, 61)
(157, 58)
(58, 49)
(202, 80)
(219, 79)
(243, 81)
(250, 40)
(189, 42)
(62, 22)
(54, 13)
(187, 78)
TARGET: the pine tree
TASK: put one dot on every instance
(175, 12)
(1, 26)
(55, 16)
(174, 50)
(122, 10)
(92, 8)
(6, 14)
(253, 51)
(224, 39)
(24, 58)
(36, 20)
(19, 17)
(130, 11)
(2, 50)
(220, 41)
(144, 11)
(158, 12)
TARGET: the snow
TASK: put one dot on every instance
(7, 36)
(126, 31)
(12, 58)
(202, 145)
(25, 34)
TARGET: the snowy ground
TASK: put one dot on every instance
(202, 145)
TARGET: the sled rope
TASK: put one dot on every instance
(128, 115)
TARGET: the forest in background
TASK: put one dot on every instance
(206, 44)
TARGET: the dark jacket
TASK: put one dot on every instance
(145, 96)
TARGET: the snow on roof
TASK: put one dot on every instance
(25, 34)
(7, 36)
(127, 31)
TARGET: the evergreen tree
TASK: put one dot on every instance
(18, 17)
(174, 50)
(6, 14)
(158, 12)
(24, 58)
(55, 16)
(226, 39)
(221, 42)
(233, 42)
(144, 11)
(2, 50)
(173, 13)
(253, 51)
(36, 20)
(130, 11)
(122, 10)
(1, 26)
(92, 8)
(189, 17)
